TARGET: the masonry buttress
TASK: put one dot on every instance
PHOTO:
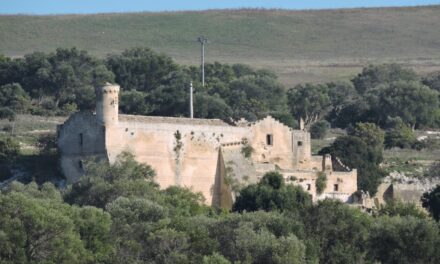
(222, 196)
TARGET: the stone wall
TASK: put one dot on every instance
(182, 154)
(186, 152)
(79, 138)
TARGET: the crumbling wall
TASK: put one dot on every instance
(181, 154)
(79, 138)
(272, 143)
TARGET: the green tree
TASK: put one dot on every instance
(398, 208)
(339, 231)
(207, 106)
(399, 135)
(271, 193)
(133, 220)
(168, 246)
(258, 237)
(371, 134)
(140, 69)
(215, 259)
(374, 75)
(431, 201)
(309, 102)
(7, 113)
(253, 97)
(104, 183)
(9, 150)
(356, 154)
(404, 240)
(352, 113)
(432, 80)
(414, 103)
(37, 227)
(171, 98)
(342, 95)
(14, 97)
(319, 129)
(134, 102)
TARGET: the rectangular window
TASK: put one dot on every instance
(309, 187)
(300, 143)
(81, 140)
(269, 139)
(335, 187)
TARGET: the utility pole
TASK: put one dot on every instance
(203, 40)
(191, 109)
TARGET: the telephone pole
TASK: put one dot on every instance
(203, 40)
(191, 108)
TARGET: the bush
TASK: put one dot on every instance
(319, 129)
(399, 135)
(9, 150)
(7, 113)
(431, 201)
(356, 154)
(247, 151)
(404, 240)
(397, 208)
(271, 194)
(321, 182)
(371, 134)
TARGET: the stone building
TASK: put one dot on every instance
(207, 155)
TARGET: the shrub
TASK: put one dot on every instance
(321, 182)
(431, 201)
(247, 151)
(9, 150)
(399, 135)
(272, 194)
(7, 113)
(371, 134)
(319, 129)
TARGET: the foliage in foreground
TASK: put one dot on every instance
(117, 214)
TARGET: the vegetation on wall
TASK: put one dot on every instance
(247, 150)
(321, 182)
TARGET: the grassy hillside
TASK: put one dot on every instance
(298, 45)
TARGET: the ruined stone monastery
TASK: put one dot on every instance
(206, 155)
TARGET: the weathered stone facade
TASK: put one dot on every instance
(203, 154)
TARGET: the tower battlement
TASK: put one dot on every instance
(107, 104)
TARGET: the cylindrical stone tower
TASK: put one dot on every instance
(107, 104)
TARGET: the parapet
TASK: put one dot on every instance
(108, 88)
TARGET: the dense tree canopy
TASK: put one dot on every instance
(374, 75)
(270, 194)
(309, 102)
(355, 153)
(153, 84)
(140, 69)
(414, 103)
(136, 222)
(431, 201)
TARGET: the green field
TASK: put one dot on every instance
(299, 46)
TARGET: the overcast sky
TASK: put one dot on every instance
(104, 6)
